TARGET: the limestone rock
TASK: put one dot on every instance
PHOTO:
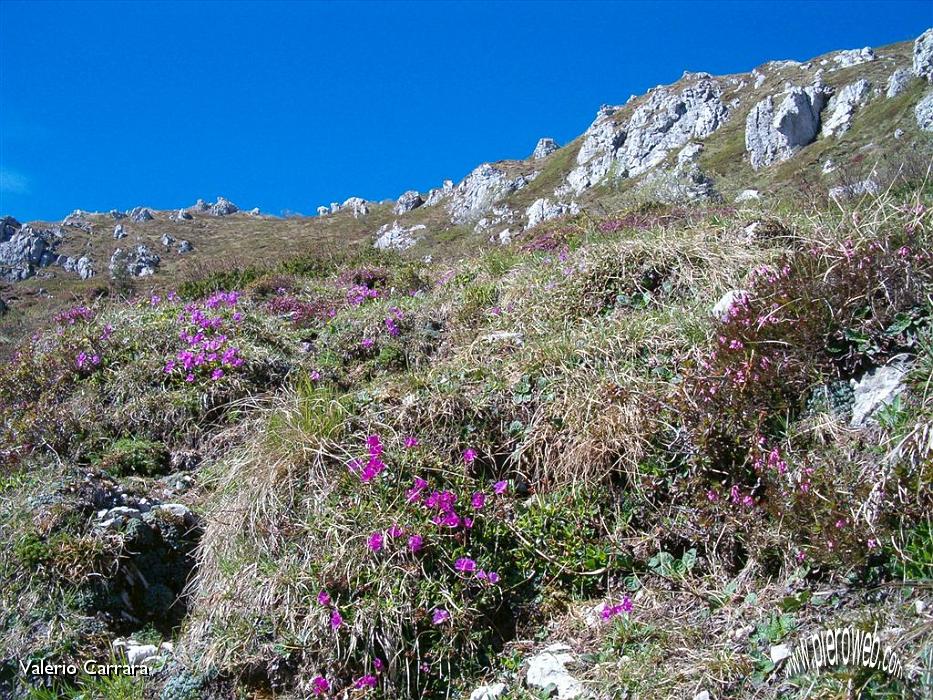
(546, 146)
(357, 205)
(842, 106)
(747, 196)
(855, 189)
(119, 232)
(853, 57)
(200, 205)
(544, 210)
(877, 389)
(774, 134)
(549, 668)
(923, 55)
(83, 267)
(723, 308)
(898, 82)
(181, 215)
(140, 214)
(138, 262)
(167, 240)
(666, 120)
(924, 112)
(479, 191)
(223, 207)
(396, 237)
(23, 249)
(254, 211)
(488, 692)
(116, 215)
(439, 193)
(408, 201)
(779, 652)
(323, 211)
(185, 246)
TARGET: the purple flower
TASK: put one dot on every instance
(189, 377)
(396, 531)
(465, 565)
(169, 366)
(323, 598)
(108, 329)
(610, 611)
(411, 441)
(367, 681)
(469, 455)
(315, 375)
(375, 541)
(217, 374)
(81, 359)
(336, 619)
(492, 577)
(415, 542)
(500, 487)
(378, 663)
(440, 615)
(367, 343)
(320, 685)
(478, 500)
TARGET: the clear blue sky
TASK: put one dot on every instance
(292, 105)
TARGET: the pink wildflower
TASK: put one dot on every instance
(415, 542)
(465, 565)
(320, 685)
(411, 441)
(323, 598)
(478, 500)
(336, 619)
(367, 681)
(500, 487)
(375, 541)
(469, 455)
(440, 615)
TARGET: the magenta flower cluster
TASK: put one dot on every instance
(359, 294)
(73, 315)
(208, 350)
(610, 611)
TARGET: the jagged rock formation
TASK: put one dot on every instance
(853, 57)
(842, 106)
(898, 82)
(181, 215)
(408, 201)
(924, 112)
(223, 207)
(185, 246)
(24, 249)
(546, 146)
(923, 56)
(665, 121)
(357, 205)
(119, 232)
(773, 135)
(438, 193)
(138, 262)
(396, 237)
(140, 214)
(544, 210)
(80, 266)
(116, 215)
(480, 190)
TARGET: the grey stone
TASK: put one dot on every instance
(779, 652)
(24, 249)
(223, 207)
(83, 267)
(722, 308)
(167, 240)
(140, 214)
(545, 147)
(200, 205)
(439, 193)
(396, 237)
(748, 196)
(898, 82)
(323, 211)
(254, 211)
(842, 106)
(543, 210)
(878, 388)
(924, 112)
(138, 262)
(408, 201)
(357, 205)
(117, 215)
(181, 215)
(488, 692)
(185, 246)
(854, 57)
(548, 669)
(775, 134)
(480, 191)
(119, 232)
(923, 55)
(855, 189)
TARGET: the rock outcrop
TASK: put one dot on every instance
(396, 237)
(185, 246)
(774, 134)
(480, 190)
(181, 215)
(842, 106)
(546, 146)
(923, 56)
(357, 205)
(223, 207)
(439, 193)
(140, 214)
(138, 262)
(544, 210)
(408, 201)
(855, 189)
(853, 57)
(924, 112)
(24, 249)
(119, 232)
(898, 82)
(667, 120)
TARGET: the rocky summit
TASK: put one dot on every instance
(636, 415)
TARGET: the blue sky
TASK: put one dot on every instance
(287, 106)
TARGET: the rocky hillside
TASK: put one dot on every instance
(631, 417)
(838, 125)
